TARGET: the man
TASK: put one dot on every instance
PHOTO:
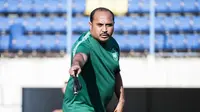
(95, 58)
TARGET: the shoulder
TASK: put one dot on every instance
(114, 44)
(82, 40)
(114, 41)
(81, 45)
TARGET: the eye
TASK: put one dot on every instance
(99, 24)
(109, 25)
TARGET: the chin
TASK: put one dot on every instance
(104, 40)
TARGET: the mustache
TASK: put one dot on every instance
(104, 34)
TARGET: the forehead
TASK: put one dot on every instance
(103, 16)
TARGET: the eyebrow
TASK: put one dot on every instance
(105, 23)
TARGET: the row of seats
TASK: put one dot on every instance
(126, 42)
(33, 43)
(162, 42)
(125, 23)
(164, 6)
(40, 6)
(35, 6)
(162, 23)
(35, 23)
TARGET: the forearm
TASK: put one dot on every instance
(119, 89)
(79, 59)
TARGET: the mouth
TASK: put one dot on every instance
(105, 35)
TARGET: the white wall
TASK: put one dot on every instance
(17, 73)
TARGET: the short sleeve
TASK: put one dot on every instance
(117, 70)
(81, 48)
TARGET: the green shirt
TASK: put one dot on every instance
(97, 77)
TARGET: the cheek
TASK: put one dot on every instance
(97, 30)
(110, 30)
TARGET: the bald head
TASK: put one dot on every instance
(92, 14)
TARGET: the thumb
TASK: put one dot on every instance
(72, 71)
(78, 72)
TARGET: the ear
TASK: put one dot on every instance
(90, 24)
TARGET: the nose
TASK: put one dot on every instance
(104, 28)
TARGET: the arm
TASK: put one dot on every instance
(78, 62)
(119, 91)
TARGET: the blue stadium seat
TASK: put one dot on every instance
(78, 6)
(184, 23)
(161, 5)
(13, 5)
(59, 24)
(80, 24)
(19, 42)
(62, 5)
(197, 4)
(40, 6)
(48, 42)
(135, 42)
(61, 43)
(178, 42)
(175, 6)
(196, 25)
(19, 20)
(2, 5)
(26, 6)
(193, 41)
(53, 43)
(145, 42)
(169, 43)
(118, 23)
(4, 24)
(4, 43)
(123, 41)
(35, 42)
(53, 6)
(170, 23)
(190, 6)
(85, 25)
(16, 30)
(75, 38)
(45, 24)
(142, 23)
(32, 24)
(144, 5)
(159, 23)
(127, 24)
(159, 42)
(133, 6)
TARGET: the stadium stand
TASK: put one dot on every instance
(4, 43)
(193, 42)
(40, 25)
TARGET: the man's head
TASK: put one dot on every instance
(101, 24)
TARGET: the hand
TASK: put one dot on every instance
(58, 110)
(74, 70)
(119, 107)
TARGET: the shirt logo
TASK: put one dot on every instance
(115, 54)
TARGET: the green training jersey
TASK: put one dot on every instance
(97, 77)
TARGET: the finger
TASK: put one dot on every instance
(76, 70)
(79, 71)
(71, 72)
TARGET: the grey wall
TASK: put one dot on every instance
(137, 100)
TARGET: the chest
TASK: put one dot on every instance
(105, 59)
